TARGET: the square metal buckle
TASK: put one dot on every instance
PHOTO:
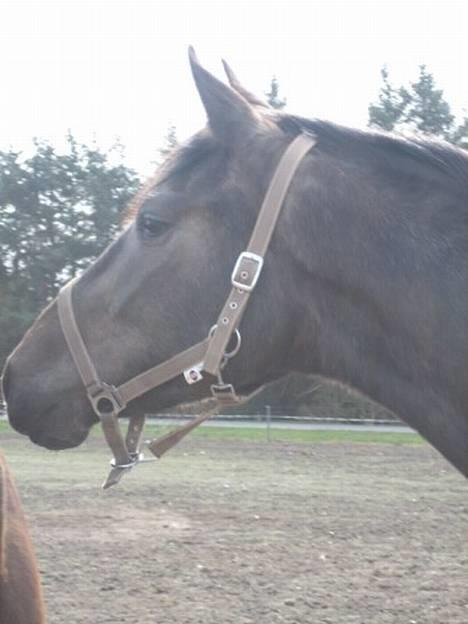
(224, 394)
(247, 271)
(105, 398)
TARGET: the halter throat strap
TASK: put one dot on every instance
(208, 355)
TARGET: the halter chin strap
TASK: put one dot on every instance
(209, 355)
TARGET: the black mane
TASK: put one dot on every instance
(180, 160)
(443, 156)
(187, 155)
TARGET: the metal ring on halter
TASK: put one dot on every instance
(136, 458)
(229, 354)
(114, 464)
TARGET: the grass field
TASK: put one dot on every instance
(310, 528)
(302, 435)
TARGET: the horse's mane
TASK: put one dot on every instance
(180, 159)
(427, 151)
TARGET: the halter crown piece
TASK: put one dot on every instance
(209, 355)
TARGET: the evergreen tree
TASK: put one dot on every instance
(427, 109)
(421, 107)
(391, 106)
(170, 142)
(57, 213)
(273, 97)
(460, 134)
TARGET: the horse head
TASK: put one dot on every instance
(159, 287)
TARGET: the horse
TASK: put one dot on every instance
(364, 280)
(21, 600)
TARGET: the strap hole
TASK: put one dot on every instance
(225, 320)
(233, 305)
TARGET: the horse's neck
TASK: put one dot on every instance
(352, 342)
(381, 320)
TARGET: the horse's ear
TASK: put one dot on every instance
(236, 85)
(229, 115)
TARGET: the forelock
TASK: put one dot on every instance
(181, 161)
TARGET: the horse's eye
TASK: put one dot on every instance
(150, 226)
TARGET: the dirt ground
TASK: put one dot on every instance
(250, 533)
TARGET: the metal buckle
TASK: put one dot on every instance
(109, 397)
(224, 393)
(117, 471)
(247, 271)
(135, 458)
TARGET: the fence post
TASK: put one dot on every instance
(268, 421)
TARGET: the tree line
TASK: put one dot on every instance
(60, 209)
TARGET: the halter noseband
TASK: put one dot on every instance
(209, 355)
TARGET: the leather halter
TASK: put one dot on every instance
(208, 356)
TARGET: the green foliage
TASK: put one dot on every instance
(460, 134)
(170, 142)
(427, 108)
(421, 107)
(57, 213)
(273, 97)
(391, 105)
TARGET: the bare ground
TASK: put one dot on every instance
(250, 533)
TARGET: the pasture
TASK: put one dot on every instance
(231, 529)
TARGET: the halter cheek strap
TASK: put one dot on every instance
(250, 262)
(209, 355)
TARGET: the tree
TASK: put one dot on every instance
(421, 107)
(391, 105)
(460, 134)
(57, 213)
(170, 142)
(427, 109)
(273, 95)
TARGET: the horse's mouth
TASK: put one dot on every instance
(56, 443)
(46, 426)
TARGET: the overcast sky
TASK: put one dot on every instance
(108, 68)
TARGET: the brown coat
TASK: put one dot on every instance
(20, 591)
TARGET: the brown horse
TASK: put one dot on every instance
(20, 591)
(365, 280)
